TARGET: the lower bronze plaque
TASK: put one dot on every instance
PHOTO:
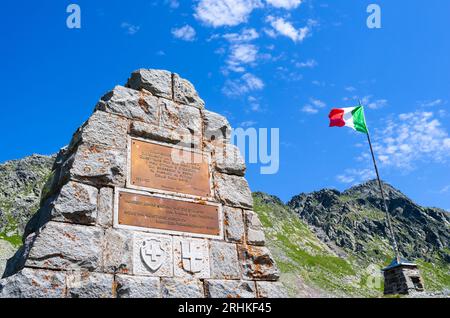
(168, 168)
(157, 212)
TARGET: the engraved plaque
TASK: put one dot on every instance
(167, 214)
(169, 168)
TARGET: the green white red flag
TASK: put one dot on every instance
(352, 117)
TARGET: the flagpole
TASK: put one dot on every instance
(388, 217)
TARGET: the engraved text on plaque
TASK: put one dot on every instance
(152, 166)
(158, 212)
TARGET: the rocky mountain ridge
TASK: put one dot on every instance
(326, 243)
(355, 220)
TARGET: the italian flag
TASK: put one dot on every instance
(352, 117)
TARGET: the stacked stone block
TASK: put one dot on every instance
(71, 247)
(403, 280)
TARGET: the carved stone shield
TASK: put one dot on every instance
(152, 254)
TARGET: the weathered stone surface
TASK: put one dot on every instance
(97, 165)
(216, 127)
(234, 224)
(181, 288)
(224, 260)
(271, 290)
(228, 159)
(183, 119)
(76, 203)
(230, 289)
(137, 287)
(118, 251)
(257, 263)
(191, 257)
(149, 131)
(137, 105)
(102, 128)
(105, 208)
(73, 233)
(89, 285)
(33, 283)
(66, 246)
(17, 262)
(185, 93)
(255, 233)
(233, 190)
(152, 254)
(6, 251)
(403, 280)
(157, 82)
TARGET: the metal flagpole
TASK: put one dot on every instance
(388, 217)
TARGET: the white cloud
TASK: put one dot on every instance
(174, 4)
(410, 138)
(254, 104)
(309, 109)
(431, 103)
(311, 63)
(285, 4)
(285, 28)
(218, 13)
(131, 29)
(248, 123)
(377, 104)
(313, 106)
(350, 89)
(445, 189)
(351, 176)
(246, 35)
(367, 100)
(241, 54)
(186, 33)
(247, 83)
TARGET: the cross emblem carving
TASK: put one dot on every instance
(192, 256)
(152, 253)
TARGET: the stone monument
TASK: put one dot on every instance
(402, 278)
(149, 199)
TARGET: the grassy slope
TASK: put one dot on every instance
(301, 256)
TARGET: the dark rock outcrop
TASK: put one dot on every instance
(355, 220)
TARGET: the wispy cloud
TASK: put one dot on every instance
(174, 4)
(248, 123)
(217, 13)
(130, 29)
(367, 101)
(412, 137)
(185, 33)
(353, 176)
(445, 189)
(350, 89)
(285, 28)
(431, 103)
(311, 63)
(241, 54)
(254, 104)
(243, 85)
(285, 4)
(247, 35)
(313, 106)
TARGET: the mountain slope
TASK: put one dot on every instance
(21, 182)
(326, 243)
(309, 267)
(354, 221)
(337, 241)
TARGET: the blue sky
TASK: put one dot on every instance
(262, 63)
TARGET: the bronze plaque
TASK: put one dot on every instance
(167, 214)
(152, 167)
